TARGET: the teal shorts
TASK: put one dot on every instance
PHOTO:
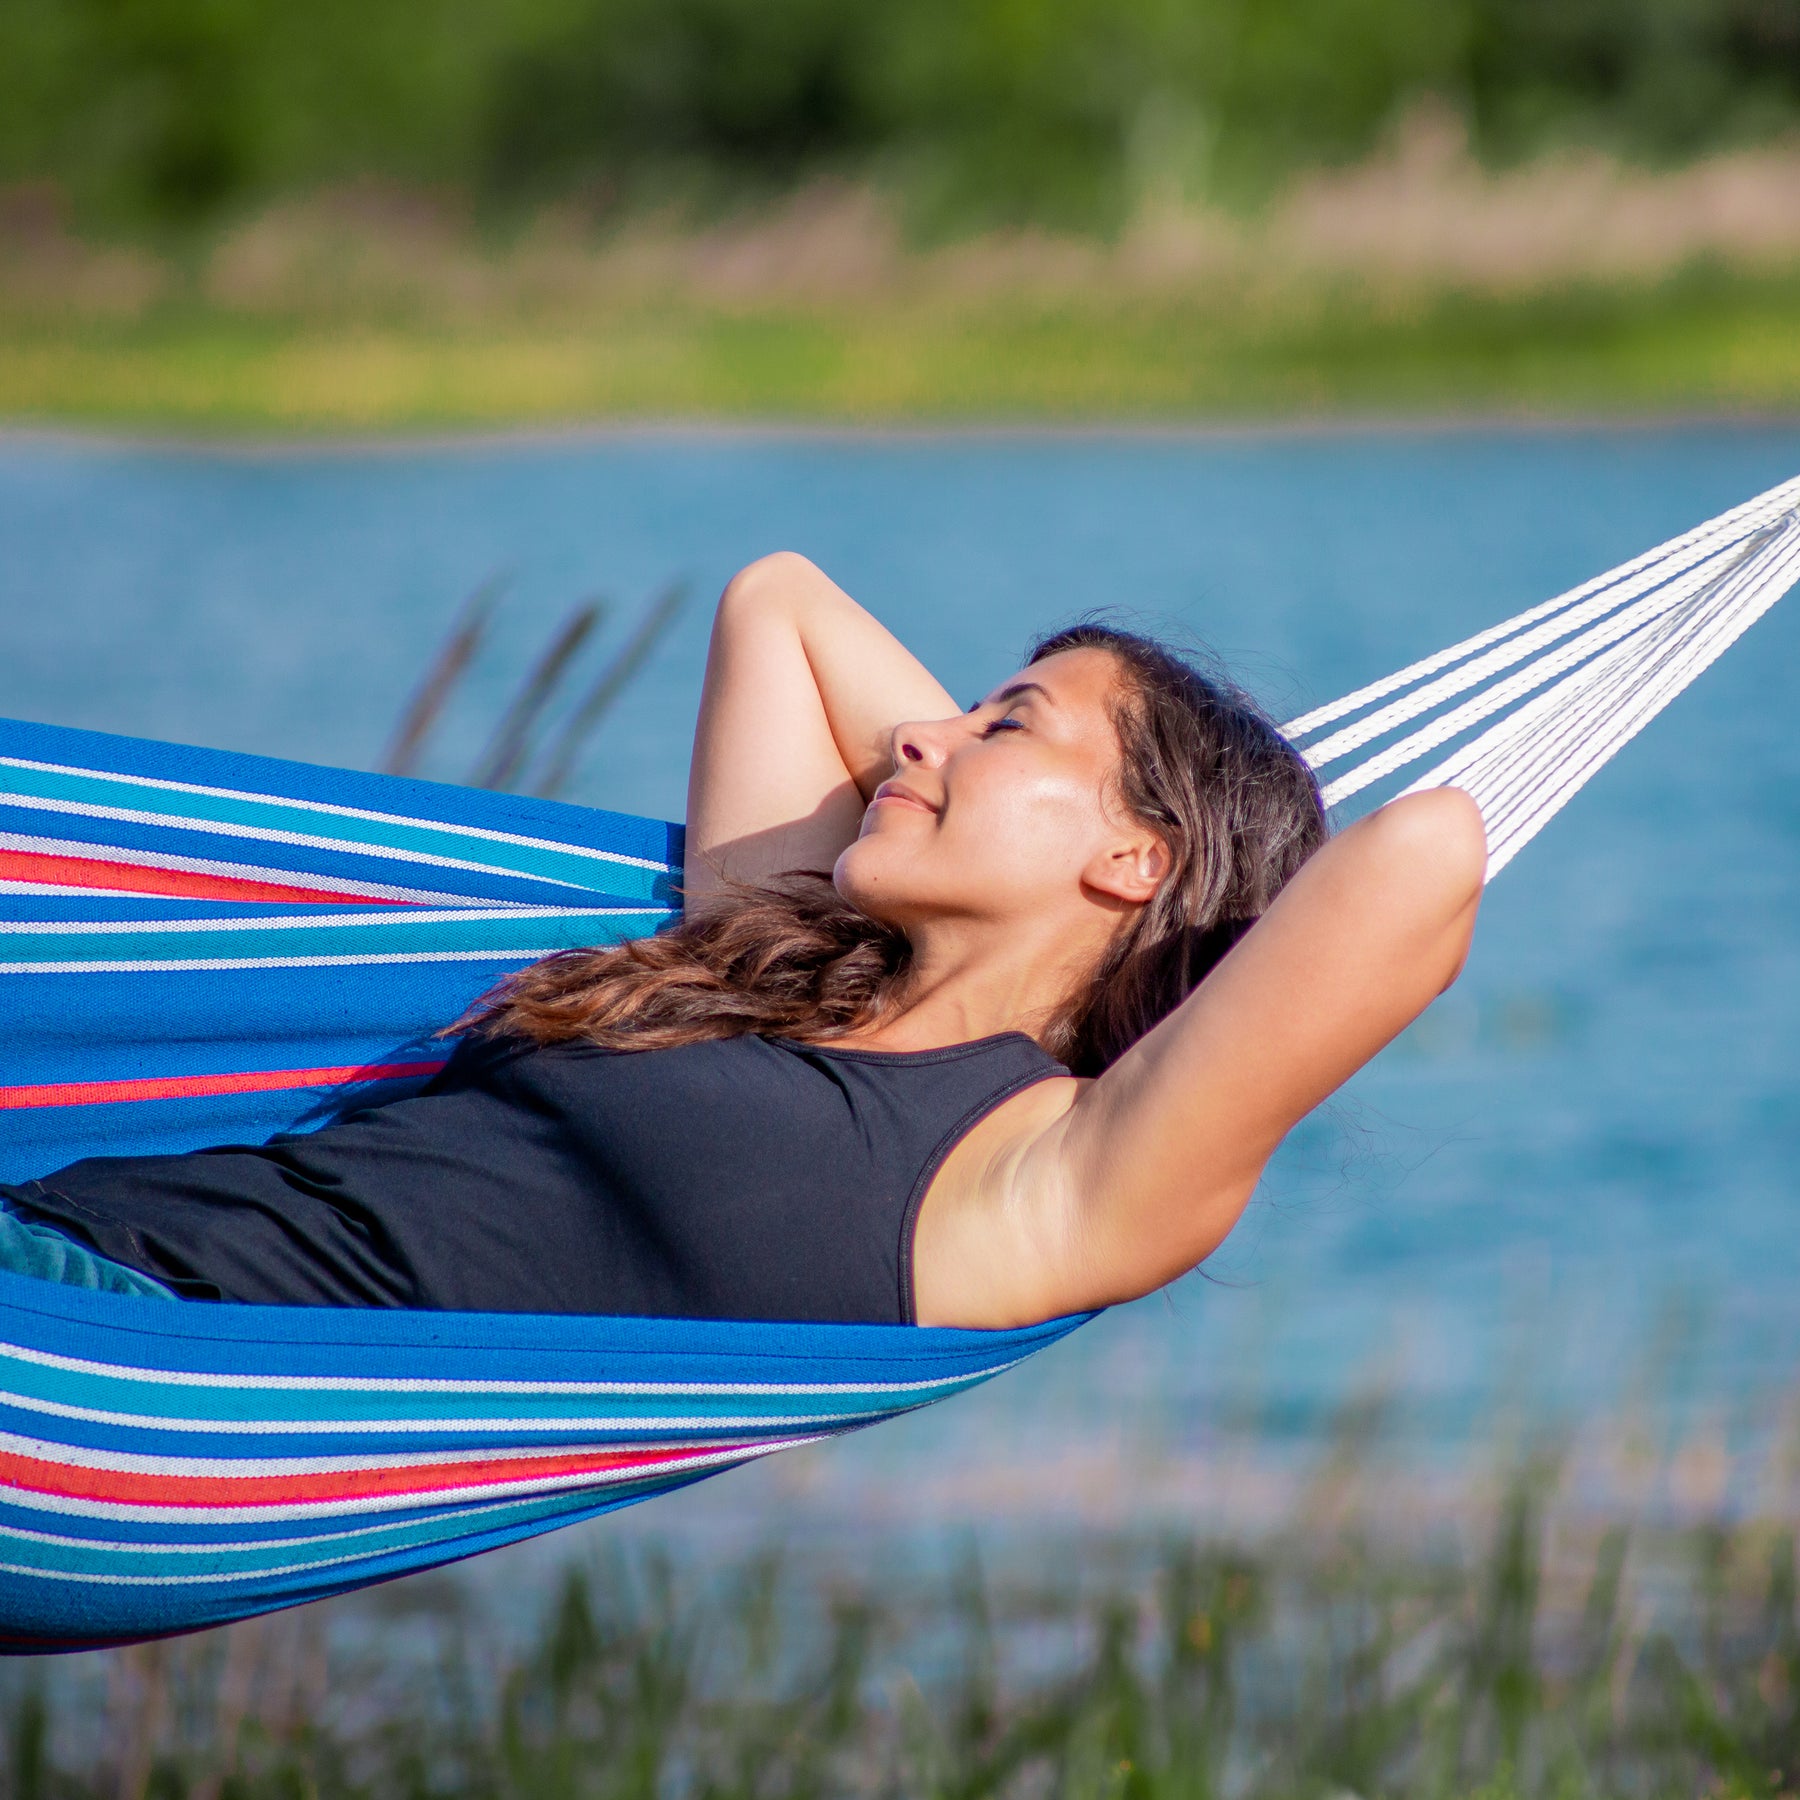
(42, 1251)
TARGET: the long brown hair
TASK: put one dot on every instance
(1201, 765)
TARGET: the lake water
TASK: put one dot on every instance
(1574, 1183)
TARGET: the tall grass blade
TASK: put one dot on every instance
(500, 763)
(565, 753)
(447, 669)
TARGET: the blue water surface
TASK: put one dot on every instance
(1577, 1175)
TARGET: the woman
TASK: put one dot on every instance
(971, 1078)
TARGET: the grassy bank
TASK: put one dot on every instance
(1542, 1656)
(1692, 343)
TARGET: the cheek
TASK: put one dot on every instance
(1014, 837)
(1032, 828)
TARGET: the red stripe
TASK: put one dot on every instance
(124, 1487)
(49, 870)
(187, 1087)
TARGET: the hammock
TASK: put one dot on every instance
(199, 948)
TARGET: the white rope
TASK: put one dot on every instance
(1589, 670)
(1527, 768)
(1612, 681)
(1602, 684)
(1551, 780)
(1736, 523)
(1537, 761)
(1660, 590)
(1653, 670)
(1534, 674)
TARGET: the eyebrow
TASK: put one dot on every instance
(1017, 691)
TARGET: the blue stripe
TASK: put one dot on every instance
(651, 839)
(403, 842)
(507, 934)
(90, 1028)
(288, 1341)
(349, 1540)
(42, 1140)
(35, 909)
(377, 1445)
(354, 829)
(205, 1530)
(543, 879)
(65, 1616)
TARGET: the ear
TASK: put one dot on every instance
(1130, 868)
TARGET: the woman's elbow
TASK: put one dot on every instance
(1434, 845)
(1441, 839)
(764, 587)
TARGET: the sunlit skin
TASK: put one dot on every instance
(995, 847)
(993, 837)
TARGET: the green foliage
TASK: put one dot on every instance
(165, 111)
(626, 95)
(1004, 110)
(1066, 111)
(1655, 78)
(1315, 1665)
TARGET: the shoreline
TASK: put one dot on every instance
(1014, 366)
(676, 429)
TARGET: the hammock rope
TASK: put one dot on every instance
(298, 935)
(1588, 670)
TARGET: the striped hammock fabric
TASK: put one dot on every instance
(201, 948)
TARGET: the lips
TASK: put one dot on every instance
(901, 795)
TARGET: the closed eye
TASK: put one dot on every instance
(1004, 723)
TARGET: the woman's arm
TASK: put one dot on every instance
(1140, 1175)
(803, 691)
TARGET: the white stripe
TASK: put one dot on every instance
(264, 834)
(184, 965)
(137, 1462)
(149, 1548)
(116, 856)
(359, 1384)
(589, 1423)
(367, 1505)
(126, 1547)
(41, 889)
(89, 1578)
(474, 915)
(340, 812)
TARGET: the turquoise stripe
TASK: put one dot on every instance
(545, 860)
(337, 935)
(23, 1382)
(442, 1525)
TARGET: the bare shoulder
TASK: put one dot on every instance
(993, 1243)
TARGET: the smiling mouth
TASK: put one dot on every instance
(900, 797)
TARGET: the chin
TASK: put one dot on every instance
(872, 876)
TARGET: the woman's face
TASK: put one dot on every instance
(1006, 811)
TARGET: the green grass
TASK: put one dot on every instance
(1698, 344)
(1556, 1663)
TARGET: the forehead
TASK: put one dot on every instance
(1070, 680)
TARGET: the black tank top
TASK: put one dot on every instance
(752, 1178)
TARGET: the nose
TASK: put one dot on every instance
(922, 741)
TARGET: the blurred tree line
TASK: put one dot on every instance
(160, 113)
